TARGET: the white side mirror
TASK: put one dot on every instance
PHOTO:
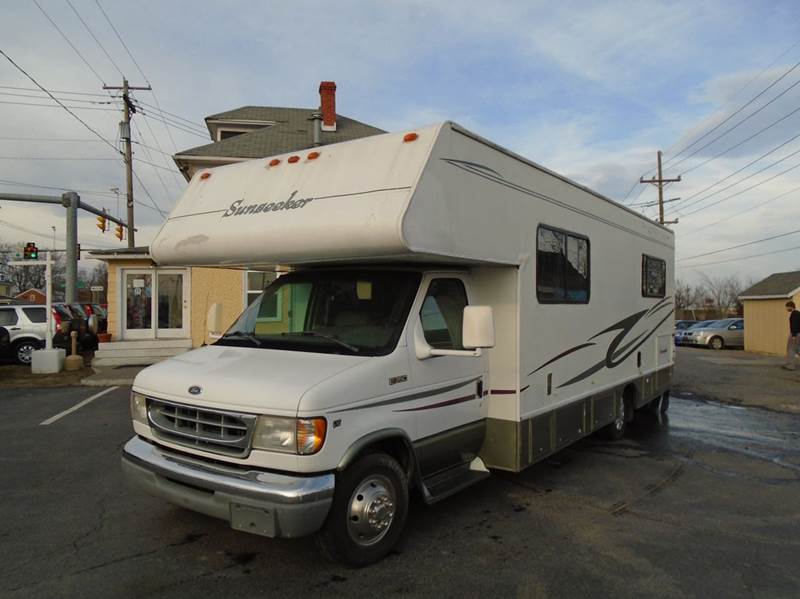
(478, 327)
(214, 321)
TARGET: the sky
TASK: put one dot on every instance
(591, 90)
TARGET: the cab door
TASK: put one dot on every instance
(451, 416)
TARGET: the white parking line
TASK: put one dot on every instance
(77, 406)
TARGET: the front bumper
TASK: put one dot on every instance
(256, 501)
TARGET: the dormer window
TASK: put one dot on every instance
(226, 133)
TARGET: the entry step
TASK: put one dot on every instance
(451, 481)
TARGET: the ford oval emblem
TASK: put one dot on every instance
(195, 390)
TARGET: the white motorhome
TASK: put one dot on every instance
(448, 307)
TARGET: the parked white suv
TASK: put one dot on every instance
(27, 326)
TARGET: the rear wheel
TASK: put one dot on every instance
(716, 343)
(23, 350)
(616, 430)
(368, 513)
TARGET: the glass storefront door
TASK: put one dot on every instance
(154, 304)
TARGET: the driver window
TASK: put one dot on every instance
(442, 313)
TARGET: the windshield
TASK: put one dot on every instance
(720, 324)
(702, 325)
(347, 312)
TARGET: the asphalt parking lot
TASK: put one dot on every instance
(704, 503)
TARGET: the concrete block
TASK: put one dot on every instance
(47, 361)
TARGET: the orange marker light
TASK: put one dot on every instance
(293, 159)
(274, 162)
(205, 175)
(409, 137)
(313, 155)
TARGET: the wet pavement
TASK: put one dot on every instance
(704, 503)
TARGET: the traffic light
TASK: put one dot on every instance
(31, 252)
(102, 224)
(119, 232)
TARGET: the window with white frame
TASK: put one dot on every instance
(272, 306)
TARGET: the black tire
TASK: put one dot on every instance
(23, 350)
(716, 343)
(616, 430)
(652, 407)
(375, 485)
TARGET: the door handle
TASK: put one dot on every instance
(15, 328)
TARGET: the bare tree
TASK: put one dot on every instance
(32, 277)
(724, 291)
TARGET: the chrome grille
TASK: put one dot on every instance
(211, 430)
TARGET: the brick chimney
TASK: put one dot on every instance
(327, 102)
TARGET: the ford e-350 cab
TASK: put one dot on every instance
(447, 307)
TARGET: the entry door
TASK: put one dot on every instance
(451, 424)
(172, 304)
(155, 304)
(137, 308)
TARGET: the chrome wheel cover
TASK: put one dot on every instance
(25, 353)
(620, 421)
(371, 510)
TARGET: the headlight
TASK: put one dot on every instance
(304, 436)
(138, 407)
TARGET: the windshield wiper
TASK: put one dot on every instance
(243, 335)
(352, 348)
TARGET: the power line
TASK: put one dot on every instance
(178, 127)
(71, 158)
(61, 189)
(740, 245)
(740, 258)
(40, 97)
(59, 103)
(768, 179)
(742, 180)
(736, 172)
(733, 114)
(744, 141)
(149, 155)
(173, 115)
(55, 91)
(94, 37)
(37, 84)
(746, 210)
(53, 139)
(147, 193)
(724, 133)
(164, 119)
(66, 39)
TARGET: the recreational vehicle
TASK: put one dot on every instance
(445, 308)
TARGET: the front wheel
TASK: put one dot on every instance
(716, 343)
(368, 513)
(23, 351)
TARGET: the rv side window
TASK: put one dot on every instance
(654, 276)
(442, 313)
(562, 267)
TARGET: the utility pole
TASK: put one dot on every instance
(659, 182)
(125, 133)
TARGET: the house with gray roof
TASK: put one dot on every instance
(259, 131)
(766, 320)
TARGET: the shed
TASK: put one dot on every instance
(766, 321)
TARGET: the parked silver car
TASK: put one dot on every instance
(680, 334)
(27, 327)
(728, 332)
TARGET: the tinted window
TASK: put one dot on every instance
(562, 267)
(8, 317)
(37, 315)
(654, 276)
(442, 314)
